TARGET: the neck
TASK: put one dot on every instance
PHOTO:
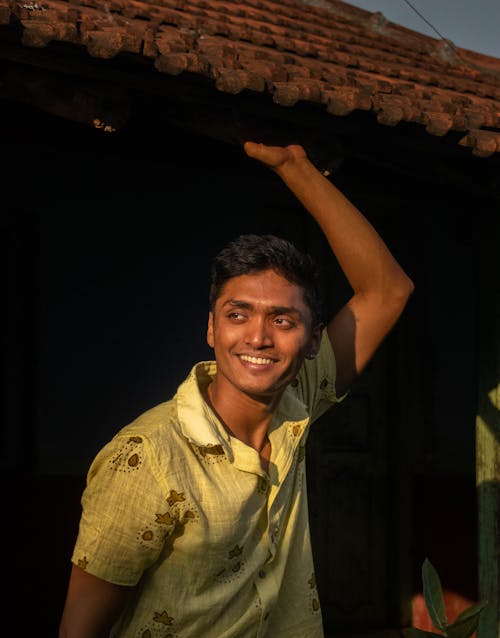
(245, 417)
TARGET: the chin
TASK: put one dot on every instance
(267, 392)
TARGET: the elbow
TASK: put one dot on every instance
(407, 287)
(402, 291)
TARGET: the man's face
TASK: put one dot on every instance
(261, 330)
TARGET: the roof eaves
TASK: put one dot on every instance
(320, 51)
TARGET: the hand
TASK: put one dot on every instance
(274, 156)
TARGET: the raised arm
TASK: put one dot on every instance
(381, 287)
(92, 606)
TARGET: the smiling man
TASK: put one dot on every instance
(195, 520)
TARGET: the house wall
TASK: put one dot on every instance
(112, 238)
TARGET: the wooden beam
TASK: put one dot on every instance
(67, 96)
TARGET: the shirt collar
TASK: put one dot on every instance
(198, 422)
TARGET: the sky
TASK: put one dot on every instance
(470, 24)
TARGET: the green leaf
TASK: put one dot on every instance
(466, 623)
(413, 632)
(463, 631)
(433, 594)
(471, 612)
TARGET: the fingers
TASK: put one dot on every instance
(254, 149)
(273, 156)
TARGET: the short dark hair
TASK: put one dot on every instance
(250, 254)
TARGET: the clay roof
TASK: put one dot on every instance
(322, 51)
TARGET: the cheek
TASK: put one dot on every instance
(296, 349)
(225, 336)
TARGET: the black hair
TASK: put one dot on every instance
(250, 254)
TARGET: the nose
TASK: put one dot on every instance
(259, 334)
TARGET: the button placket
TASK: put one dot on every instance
(266, 586)
(273, 534)
(263, 624)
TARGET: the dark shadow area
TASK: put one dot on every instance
(39, 532)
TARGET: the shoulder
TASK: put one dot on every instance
(315, 383)
(153, 424)
(153, 439)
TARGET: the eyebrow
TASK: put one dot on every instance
(273, 310)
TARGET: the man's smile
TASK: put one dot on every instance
(257, 360)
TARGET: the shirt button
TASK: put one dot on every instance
(262, 573)
(323, 384)
(294, 383)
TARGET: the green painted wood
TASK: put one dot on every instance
(488, 438)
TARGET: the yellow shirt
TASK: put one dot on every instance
(216, 547)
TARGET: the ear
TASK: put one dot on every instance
(315, 341)
(210, 329)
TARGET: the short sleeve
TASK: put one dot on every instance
(125, 515)
(316, 380)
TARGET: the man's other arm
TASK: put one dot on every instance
(92, 606)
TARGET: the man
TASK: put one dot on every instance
(195, 518)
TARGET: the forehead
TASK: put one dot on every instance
(267, 288)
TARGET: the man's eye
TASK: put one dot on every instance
(236, 315)
(283, 322)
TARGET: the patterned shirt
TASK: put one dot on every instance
(217, 547)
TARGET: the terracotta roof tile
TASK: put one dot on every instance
(337, 55)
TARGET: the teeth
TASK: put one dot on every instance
(258, 360)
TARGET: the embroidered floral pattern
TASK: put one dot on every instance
(175, 497)
(211, 454)
(236, 551)
(313, 596)
(165, 519)
(129, 456)
(234, 565)
(161, 621)
(296, 430)
(163, 618)
(182, 514)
